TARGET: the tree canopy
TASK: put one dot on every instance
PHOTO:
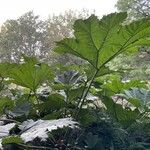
(31, 36)
(136, 8)
(25, 35)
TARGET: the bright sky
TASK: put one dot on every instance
(11, 9)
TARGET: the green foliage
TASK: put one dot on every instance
(94, 39)
(106, 135)
(102, 72)
(117, 86)
(31, 74)
(52, 104)
(87, 117)
(103, 123)
(5, 103)
(135, 67)
(126, 115)
(138, 97)
(69, 78)
(5, 68)
(139, 63)
(12, 140)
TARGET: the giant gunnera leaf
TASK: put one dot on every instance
(31, 73)
(4, 131)
(138, 97)
(99, 41)
(32, 129)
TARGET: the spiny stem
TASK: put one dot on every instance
(66, 102)
(85, 84)
(85, 94)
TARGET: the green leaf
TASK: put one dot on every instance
(75, 94)
(120, 114)
(99, 41)
(12, 140)
(69, 78)
(5, 69)
(5, 103)
(102, 72)
(86, 117)
(53, 115)
(116, 86)
(19, 110)
(31, 74)
(52, 103)
(142, 96)
(135, 102)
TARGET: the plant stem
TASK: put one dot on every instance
(66, 102)
(1, 88)
(83, 98)
(85, 84)
(116, 117)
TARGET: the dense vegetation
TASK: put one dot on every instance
(79, 107)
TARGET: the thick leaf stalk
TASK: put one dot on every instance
(85, 92)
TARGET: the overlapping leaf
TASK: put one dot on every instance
(122, 115)
(69, 77)
(5, 68)
(116, 86)
(138, 96)
(40, 128)
(5, 103)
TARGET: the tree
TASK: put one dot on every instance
(25, 35)
(136, 8)
(31, 36)
(59, 27)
